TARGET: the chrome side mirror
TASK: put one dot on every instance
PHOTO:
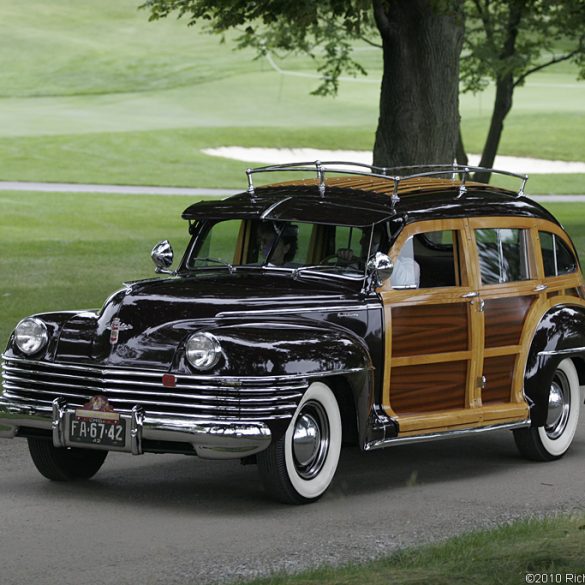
(380, 268)
(162, 255)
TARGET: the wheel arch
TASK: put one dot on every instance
(579, 363)
(298, 350)
(347, 397)
(560, 334)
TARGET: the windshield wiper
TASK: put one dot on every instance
(330, 270)
(229, 266)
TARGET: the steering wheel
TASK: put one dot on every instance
(335, 260)
(332, 260)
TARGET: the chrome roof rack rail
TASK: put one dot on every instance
(394, 174)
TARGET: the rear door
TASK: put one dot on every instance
(510, 293)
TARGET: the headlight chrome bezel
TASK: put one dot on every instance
(202, 350)
(41, 336)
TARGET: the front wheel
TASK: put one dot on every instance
(299, 467)
(552, 440)
(61, 464)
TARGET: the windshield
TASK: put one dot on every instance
(294, 246)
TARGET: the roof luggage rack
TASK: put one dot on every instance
(394, 174)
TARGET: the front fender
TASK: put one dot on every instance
(560, 334)
(54, 322)
(288, 349)
(305, 351)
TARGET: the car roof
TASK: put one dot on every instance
(363, 201)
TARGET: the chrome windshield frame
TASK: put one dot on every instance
(201, 228)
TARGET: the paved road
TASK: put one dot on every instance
(145, 190)
(165, 519)
(112, 189)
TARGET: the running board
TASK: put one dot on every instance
(443, 435)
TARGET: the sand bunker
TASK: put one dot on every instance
(515, 164)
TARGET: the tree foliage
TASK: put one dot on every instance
(324, 30)
(519, 37)
(508, 40)
(505, 41)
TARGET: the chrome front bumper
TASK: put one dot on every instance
(211, 439)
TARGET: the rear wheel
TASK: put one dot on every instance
(299, 467)
(552, 440)
(65, 464)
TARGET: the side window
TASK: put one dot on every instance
(556, 256)
(427, 260)
(406, 273)
(503, 255)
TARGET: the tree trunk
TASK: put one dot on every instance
(504, 90)
(461, 154)
(502, 106)
(419, 97)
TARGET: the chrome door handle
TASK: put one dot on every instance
(470, 295)
(540, 287)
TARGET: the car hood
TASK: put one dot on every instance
(154, 317)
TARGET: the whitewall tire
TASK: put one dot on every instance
(553, 439)
(299, 467)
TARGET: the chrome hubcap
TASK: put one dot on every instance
(310, 440)
(559, 406)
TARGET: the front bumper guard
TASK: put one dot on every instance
(211, 439)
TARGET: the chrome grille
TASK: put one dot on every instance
(203, 397)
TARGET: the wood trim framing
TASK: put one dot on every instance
(514, 349)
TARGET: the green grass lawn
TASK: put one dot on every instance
(71, 251)
(93, 92)
(509, 555)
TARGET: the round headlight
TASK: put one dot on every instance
(202, 350)
(31, 335)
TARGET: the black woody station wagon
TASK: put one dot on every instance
(358, 306)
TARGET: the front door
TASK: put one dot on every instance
(433, 330)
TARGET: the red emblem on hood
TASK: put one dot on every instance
(115, 331)
(115, 327)
(169, 381)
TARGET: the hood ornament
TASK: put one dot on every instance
(115, 327)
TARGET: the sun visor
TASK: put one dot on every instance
(335, 207)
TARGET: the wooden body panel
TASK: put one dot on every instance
(429, 387)
(411, 329)
(430, 356)
(504, 319)
(499, 375)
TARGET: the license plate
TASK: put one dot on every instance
(97, 431)
(97, 423)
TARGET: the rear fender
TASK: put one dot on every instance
(559, 335)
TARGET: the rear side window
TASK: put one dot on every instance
(503, 255)
(556, 256)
